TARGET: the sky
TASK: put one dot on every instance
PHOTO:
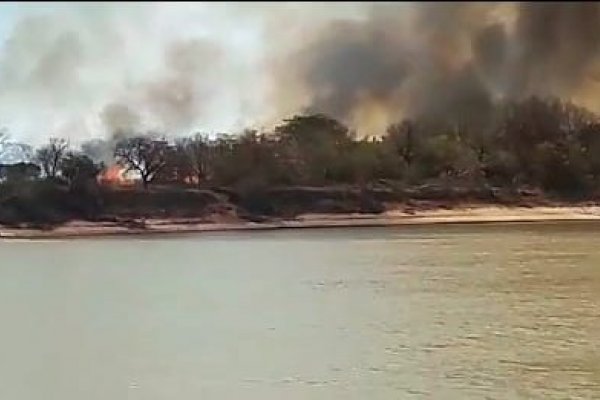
(114, 47)
(86, 70)
(77, 70)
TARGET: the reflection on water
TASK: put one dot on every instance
(452, 312)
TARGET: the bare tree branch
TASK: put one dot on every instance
(143, 154)
(50, 156)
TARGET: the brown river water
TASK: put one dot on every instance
(507, 311)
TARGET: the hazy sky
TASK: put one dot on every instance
(61, 64)
(82, 70)
(174, 66)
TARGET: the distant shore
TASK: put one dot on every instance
(396, 217)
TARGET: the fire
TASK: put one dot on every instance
(114, 176)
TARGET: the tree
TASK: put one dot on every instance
(143, 154)
(50, 156)
(177, 169)
(313, 130)
(78, 168)
(251, 156)
(23, 171)
(365, 161)
(548, 138)
(589, 139)
(402, 139)
(199, 155)
(312, 143)
(445, 156)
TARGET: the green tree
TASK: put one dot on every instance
(313, 143)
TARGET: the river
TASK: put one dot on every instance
(427, 312)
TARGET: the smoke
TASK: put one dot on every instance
(118, 118)
(449, 62)
(400, 61)
(558, 44)
(177, 96)
(90, 71)
(344, 67)
(87, 71)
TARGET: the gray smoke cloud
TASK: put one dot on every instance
(85, 71)
(557, 45)
(178, 95)
(400, 61)
(450, 61)
(88, 71)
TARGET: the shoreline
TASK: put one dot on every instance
(471, 214)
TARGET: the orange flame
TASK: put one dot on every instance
(114, 176)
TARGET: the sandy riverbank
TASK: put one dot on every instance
(464, 214)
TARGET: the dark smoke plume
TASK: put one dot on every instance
(450, 61)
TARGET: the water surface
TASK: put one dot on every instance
(439, 312)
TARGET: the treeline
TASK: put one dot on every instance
(542, 144)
